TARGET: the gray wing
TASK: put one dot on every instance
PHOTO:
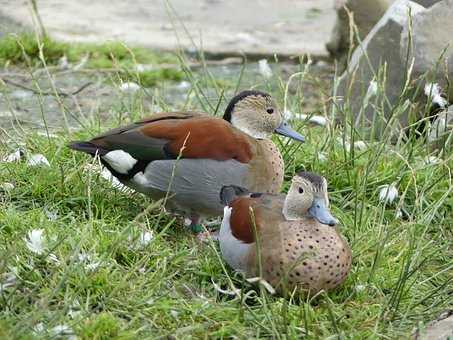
(196, 183)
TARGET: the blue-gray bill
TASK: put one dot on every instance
(320, 211)
(286, 130)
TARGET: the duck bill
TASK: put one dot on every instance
(321, 213)
(286, 130)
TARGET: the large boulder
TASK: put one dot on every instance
(386, 55)
(432, 33)
(366, 13)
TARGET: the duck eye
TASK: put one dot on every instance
(270, 111)
(301, 190)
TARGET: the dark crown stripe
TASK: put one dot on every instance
(315, 179)
(238, 98)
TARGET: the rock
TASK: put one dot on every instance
(384, 54)
(441, 329)
(432, 33)
(366, 14)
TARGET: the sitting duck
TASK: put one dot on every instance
(300, 248)
(193, 155)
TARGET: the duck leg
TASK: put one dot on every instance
(193, 222)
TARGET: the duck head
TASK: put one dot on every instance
(307, 196)
(257, 114)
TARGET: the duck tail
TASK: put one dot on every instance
(87, 147)
(229, 193)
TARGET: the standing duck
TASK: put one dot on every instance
(299, 246)
(192, 155)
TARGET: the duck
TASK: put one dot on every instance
(300, 247)
(186, 158)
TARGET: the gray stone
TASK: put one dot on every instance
(380, 55)
(366, 13)
(432, 34)
(441, 329)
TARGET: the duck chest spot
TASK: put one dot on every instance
(321, 261)
(274, 165)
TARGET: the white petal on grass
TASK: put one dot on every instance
(430, 160)
(322, 157)
(38, 160)
(288, 115)
(174, 313)
(13, 157)
(38, 328)
(388, 193)
(360, 288)
(129, 87)
(398, 213)
(7, 280)
(433, 91)
(53, 258)
(145, 238)
(51, 214)
(74, 310)
(264, 68)
(63, 330)
(35, 241)
(7, 186)
(360, 145)
(88, 261)
(344, 143)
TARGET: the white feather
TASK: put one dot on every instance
(234, 251)
(35, 241)
(120, 161)
(12, 157)
(38, 160)
(433, 92)
(264, 68)
(388, 193)
(129, 87)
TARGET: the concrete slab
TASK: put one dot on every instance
(225, 27)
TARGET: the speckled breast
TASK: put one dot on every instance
(311, 257)
(268, 168)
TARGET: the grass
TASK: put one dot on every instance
(25, 49)
(400, 279)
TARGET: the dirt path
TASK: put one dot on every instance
(285, 27)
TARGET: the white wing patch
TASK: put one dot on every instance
(120, 161)
(234, 251)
